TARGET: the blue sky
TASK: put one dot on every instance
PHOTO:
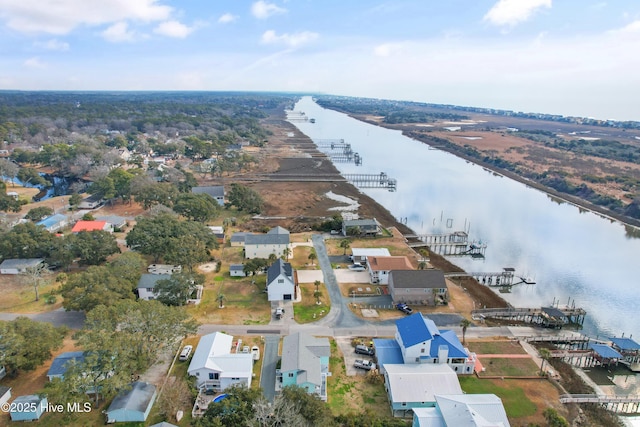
(571, 57)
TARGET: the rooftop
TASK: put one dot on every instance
(387, 263)
(88, 226)
(422, 279)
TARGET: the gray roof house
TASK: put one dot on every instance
(275, 241)
(215, 191)
(305, 363)
(363, 227)
(133, 404)
(115, 220)
(237, 239)
(5, 394)
(19, 265)
(281, 281)
(421, 287)
(236, 270)
(147, 284)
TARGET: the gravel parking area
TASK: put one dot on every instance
(350, 356)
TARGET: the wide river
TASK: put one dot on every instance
(574, 256)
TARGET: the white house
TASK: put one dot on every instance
(281, 282)
(91, 202)
(415, 386)
(54, 222)
(216, 368)
(236, 270)
(215, 191)
(360, 254)
(462, 410)
(380, 266)
(19, 265)
(275, 241)
(147, 285)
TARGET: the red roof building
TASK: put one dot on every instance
(91, 226)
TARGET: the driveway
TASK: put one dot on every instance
(350, 356)
(269, 362)
(60, 317)
(341, 275)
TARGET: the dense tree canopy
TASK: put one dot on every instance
(197, 207)
(164, 235)
(245, 199)
(25, 344)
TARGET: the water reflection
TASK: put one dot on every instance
(573, 254)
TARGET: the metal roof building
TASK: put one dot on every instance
(133, 404)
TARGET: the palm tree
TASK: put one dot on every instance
(545, 355)
(464, 323)
(285, 253)
(312, 257)
(220, 298)
(345, 244)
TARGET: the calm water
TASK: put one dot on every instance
(573, 255)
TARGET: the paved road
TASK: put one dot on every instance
(269, 362)
(71, 319)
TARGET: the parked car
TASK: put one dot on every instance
(363, 349)
(279, 312)
(356, 267)
(255, 352)
(367, 365)
(185, 353)
(404, 308)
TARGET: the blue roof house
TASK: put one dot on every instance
(133, 404)
(54, 222)
(420, 341)
(28, 408)
(63, 362)
(305, 363)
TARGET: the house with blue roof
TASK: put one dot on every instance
(54, 223)
(63, 362)
(419, 340)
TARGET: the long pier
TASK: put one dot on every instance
(550, 317)
(498, 279)
(339, 151)
(449, 244)
(372, 181)
(617, 404)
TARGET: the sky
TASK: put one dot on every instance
(569, 57)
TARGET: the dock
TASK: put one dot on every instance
(548, 317)
(381, 180)
(455, 243)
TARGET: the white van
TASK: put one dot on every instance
(186, 352)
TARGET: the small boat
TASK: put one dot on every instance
(255, 352)
(312, 120)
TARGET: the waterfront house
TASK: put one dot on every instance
(133, 404)
(361, 227)
(215, 191)
(19, 265)
(462, 410)
(216, 368)
(415, 386)
(275, 241)
(419, 341)
(361, 254)
(54, 222)
(305, 363)
(28, 408)
(380, 266)
(281, 282)
(420, 287)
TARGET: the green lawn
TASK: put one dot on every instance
(509, 367)
(307, 310)
(515, 402)
(495, 347)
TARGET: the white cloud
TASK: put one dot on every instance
(262, 10)
(512, 12)
(118, 33)
(173, 29)
(387, 49)
(291, 40)
(53, 44)
(34, 63)
(62, 16)
(227, 18)
(631, 28)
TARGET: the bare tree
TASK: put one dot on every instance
(174, 396)
(35, 276)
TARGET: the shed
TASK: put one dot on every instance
(236, 270)
(28, 408)
(133, 404)
(5, 394)
(19, 265)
